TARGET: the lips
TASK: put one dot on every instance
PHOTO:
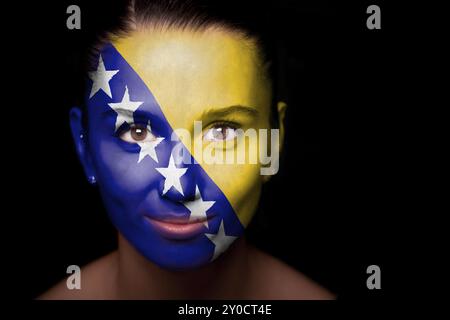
(178, 229)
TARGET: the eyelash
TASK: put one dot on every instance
(224, 123)
(129, 126)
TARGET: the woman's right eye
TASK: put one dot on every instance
(137, 133)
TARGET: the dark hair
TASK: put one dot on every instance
(250, 22)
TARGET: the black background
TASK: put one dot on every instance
(328, 210)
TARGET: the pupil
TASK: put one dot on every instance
(220, 133)
(138, 133)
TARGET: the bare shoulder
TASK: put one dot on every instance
(277, 280)
(97, 282)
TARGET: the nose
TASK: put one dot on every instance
(185, 193)
(179, 180)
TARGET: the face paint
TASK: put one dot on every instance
(175, 214)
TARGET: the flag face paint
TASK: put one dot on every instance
(175, 214)
(193, 75)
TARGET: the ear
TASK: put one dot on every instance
(81, 145)
(281, 109)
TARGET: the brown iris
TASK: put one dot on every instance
(138, 133)
(220, 133)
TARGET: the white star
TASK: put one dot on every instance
(148, 147)
(220, 240)
(125, 109)
(172, 175)
(198, 207)
(101, 78)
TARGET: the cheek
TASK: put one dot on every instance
(120, 173)
(241, 184)
(240, 181)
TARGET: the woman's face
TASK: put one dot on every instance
(179, 213)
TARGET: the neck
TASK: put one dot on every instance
(224, 278)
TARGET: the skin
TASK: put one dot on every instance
(207, 73)
(244, 273)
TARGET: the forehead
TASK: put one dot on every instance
(191, 71)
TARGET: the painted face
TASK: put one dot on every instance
(178, 211)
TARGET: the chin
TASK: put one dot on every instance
(177, 255)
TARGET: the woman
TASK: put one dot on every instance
(172, 95)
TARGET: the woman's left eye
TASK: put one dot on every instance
(220, 133)
(137, 133)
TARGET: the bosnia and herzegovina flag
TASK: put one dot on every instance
(138, 181)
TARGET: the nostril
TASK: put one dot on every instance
(186, 193)
(173, 195)
(190, 198)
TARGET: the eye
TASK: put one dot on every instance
(221, 132)
(137, 133)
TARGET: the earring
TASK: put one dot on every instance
(92, 180)
(81, 136)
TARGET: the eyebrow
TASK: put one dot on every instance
(212, 113)
(226, 111)
(122, 111)
(128, 113)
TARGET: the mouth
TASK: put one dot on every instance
(178, 229)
